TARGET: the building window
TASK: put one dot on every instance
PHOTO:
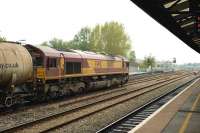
(72, 67)
(52, 62)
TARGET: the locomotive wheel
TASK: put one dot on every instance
(8, 101)
(68, 92)
(52, 95)
(109, 83)
(81, 90)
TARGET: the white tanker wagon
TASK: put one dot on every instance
(15, 68)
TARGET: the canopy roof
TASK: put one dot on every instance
(181, 17)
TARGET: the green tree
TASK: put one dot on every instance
(110, 38)
(149, 62)
(55, 43)
(114, 39)
(82, 40)
(58, 44)
(132, 57)
(2, 39)
(96, 39)
(45, 44)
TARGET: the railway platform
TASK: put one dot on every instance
(180, 115)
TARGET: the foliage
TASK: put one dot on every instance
(45, 44)
(82, 40)
(2, 39)
(132, 57)
(149, 62)
(96, 40)
(58, 44)
(114, 39)
(109, 38)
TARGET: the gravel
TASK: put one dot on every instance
(39, 111)
(98, 120)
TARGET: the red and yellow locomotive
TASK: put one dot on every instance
(40, 72)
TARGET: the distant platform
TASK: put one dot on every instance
(137, 73)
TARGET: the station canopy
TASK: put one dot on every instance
(181, 17)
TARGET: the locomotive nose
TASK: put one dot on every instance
(15, 64)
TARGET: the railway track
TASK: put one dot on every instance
(114, 100)
(108, 93)
(149, 78)
(134, 118)
(4, 111)
(146, 75)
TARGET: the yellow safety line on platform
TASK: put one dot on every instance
(187, 119)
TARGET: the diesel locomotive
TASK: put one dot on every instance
(29, 72)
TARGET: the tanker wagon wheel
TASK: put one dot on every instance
(8, 101)
(51, 95)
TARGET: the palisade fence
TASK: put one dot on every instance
(134, 68)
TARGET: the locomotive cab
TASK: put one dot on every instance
(48, 63)
(38, 62)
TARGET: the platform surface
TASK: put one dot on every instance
(187, 118)
(181, 115)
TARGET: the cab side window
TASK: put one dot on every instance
(37, 61)
(52, 62)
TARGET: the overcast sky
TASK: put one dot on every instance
(41, 20)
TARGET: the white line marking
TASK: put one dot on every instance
(161, 108)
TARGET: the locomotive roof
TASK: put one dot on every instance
(92, 55)
(47, 51)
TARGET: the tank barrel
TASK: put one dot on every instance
(15, 64)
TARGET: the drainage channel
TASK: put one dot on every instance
(131, 120)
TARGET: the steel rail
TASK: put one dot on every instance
(138, 115)
(82, 107)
